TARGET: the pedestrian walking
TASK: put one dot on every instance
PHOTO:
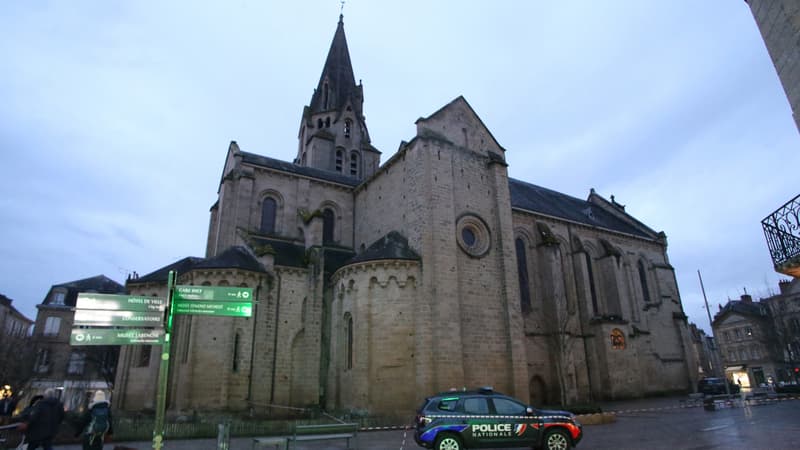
(7, 406)
(95, 425)
(41, 419)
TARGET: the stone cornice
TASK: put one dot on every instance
(372, 266)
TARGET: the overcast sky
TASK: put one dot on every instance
(115, 118)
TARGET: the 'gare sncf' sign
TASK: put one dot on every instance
(215, 293)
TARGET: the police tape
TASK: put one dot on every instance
(695, 403)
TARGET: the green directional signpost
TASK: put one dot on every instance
(213, 301)
(96, 314)
(110, 319)
(108, 336)
(193, 300)
(211, 308)
(114, 302)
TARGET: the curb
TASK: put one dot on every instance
(597, 418)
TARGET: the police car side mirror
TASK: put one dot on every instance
(529, 411)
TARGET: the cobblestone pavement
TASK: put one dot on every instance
(653, 424)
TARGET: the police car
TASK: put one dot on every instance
(483, 418)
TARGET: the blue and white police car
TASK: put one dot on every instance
(482, 418)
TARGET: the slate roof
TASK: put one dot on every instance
(259, 160)
(5, 301)
(286, 253)
(545, 201)
(100, 283)
(751, 309)
(336, 258)
(339, 72)
(160, 275)
(392, 246)
(236, 257)
(232, 258)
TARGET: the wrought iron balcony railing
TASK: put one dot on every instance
(782, 230)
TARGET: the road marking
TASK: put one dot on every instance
(718, 427)
(403, 444)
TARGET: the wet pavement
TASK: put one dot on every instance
(661, 423)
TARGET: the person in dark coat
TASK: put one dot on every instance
(98, 408)
(41, 419)
(7, 406)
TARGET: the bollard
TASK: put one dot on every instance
(224, 436)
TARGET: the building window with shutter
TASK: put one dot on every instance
(42, 361)
(52, 326)
(77, 363)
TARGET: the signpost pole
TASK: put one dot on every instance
(163, 370)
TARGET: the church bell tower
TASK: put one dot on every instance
(333, 132)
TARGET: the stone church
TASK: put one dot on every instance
(379, 284)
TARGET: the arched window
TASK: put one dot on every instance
(268, 211)
(354, 164)
(348, 125)
(348, 354)
(643, 281)
(617, 339)
(339, 160)
(319, 123)
(327, 226)
(235, 365)
(327, 122)
(522, 270)
(592, 288)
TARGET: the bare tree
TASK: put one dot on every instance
(16, 360)
(560, 330)
(560, 326)
(101, 361)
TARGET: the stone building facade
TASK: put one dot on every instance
(15, 340)
(779, 23)
(760, 340)
(378, 284)
(76, 372)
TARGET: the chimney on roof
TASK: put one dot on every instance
(747, 298)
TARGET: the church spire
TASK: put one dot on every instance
(336, 83)
(333, 133)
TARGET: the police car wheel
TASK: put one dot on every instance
(447, 442)
(556, 440)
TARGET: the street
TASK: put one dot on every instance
(641, 424)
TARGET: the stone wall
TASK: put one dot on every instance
(779, 23)
(373, 364)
